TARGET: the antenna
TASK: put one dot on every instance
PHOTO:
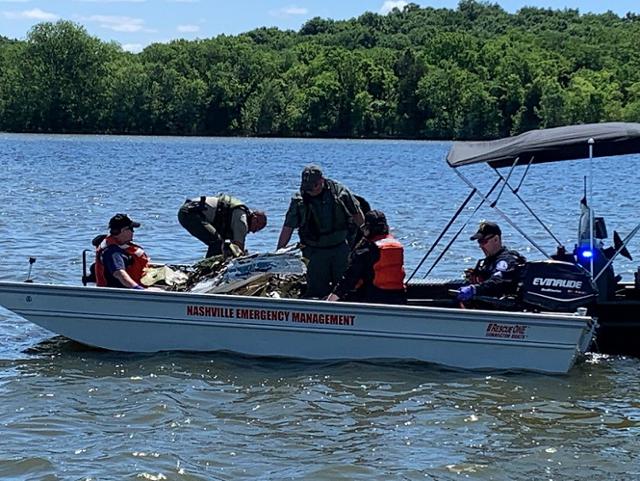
(591, 142)
(32, 260)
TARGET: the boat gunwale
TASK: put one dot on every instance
(166, 296)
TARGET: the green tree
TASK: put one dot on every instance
(62, 70)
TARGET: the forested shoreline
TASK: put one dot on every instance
(476, 72)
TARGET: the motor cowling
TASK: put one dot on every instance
(556, 286)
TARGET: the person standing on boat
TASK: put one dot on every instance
(214, 220)
(497, 274)
(376, 266)
(321, 212)
(120, 262)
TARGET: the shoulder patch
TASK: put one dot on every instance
(502, 266)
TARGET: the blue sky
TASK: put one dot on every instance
(137, 23)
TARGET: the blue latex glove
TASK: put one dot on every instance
(465, 293)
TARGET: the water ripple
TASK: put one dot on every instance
(71, 412)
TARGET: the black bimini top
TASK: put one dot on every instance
(550, 145)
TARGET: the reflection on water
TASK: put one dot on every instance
(73, 412)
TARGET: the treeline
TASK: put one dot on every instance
(473, 72)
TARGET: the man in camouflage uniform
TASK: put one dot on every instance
(213, 220)
(321, 212)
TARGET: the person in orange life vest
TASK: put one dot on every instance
(120, 262)
(375, 269)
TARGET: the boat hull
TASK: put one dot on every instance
(146, 321)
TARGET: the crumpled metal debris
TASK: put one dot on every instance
(280, 275)
(163, 275)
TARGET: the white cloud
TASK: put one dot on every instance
(289, 11)
(119, 23)
(133, 47)
(188, 28)
(391, 4)
(34, 14)
(110, 1)
(293, 10)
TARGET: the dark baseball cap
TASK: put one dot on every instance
(311, 174)
(486, 229)
(375, 218)
(120, 221)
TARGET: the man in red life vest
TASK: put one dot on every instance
(120, 262)
(375, 270)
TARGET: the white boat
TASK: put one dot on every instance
(150, 321)
(615, 303)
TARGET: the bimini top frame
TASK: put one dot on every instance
(534, 147)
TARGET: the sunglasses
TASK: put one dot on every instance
(485, 240)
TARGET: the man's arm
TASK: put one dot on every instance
(359, 262)
(125, 279)
(114, 262)
(291, 221)
(239, 227)
(358, 218)
(353, 207)
(285, 236)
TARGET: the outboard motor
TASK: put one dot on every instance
(556, 286)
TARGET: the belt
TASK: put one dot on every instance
(326, 247)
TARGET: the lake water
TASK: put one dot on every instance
(68, 412)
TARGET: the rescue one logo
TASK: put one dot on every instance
(506, 331)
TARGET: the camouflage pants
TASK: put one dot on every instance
(194, 222)
(325, 268)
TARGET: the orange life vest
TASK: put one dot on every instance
(388, 272)
(139, 260)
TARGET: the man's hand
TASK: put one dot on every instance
(332, 297)
(469, 274)
(466, 293)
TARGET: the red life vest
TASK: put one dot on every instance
(388, 272)
(139, 260)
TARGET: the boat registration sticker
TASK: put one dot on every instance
(506, 331)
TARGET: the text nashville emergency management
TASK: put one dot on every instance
(271, 315)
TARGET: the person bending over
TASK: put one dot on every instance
(213, 220)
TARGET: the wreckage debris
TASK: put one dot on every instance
(278, 275)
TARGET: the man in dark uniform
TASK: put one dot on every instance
(321, 212)
(497, 274)
(376, 266)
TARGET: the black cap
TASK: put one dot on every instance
(375, 217)
(120, 221)
(311, 174)
(486, 229)
(376, 222)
